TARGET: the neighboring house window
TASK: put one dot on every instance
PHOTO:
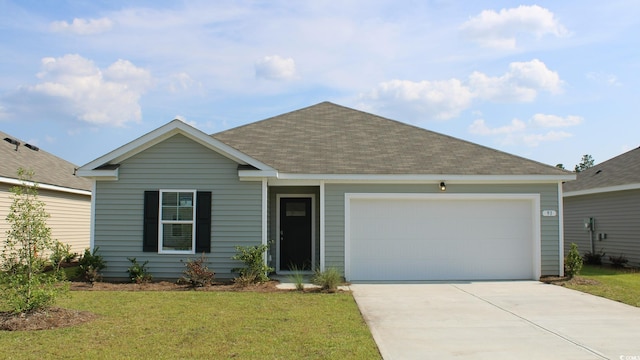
(177, 221)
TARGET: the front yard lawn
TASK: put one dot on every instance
(205, 325)
(616, 284)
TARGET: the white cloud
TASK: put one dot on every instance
(184, 120)
(275, 68)
(479, 127)
(602, 78)
(542, 120)
(521, 83)
(440, 99)
(528, 133)
(83, 26)
(76, 86)
(500, 29)
(181, 82)
(448, 98)
(533, 140)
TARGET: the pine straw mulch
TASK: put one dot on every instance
(54, 317)
(564, 280)
(46, 319)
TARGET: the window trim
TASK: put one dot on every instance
(162, 222)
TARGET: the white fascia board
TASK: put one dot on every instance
(111, 175)
(12, 181)
(253, 175)
(166, 131)
(404, 178)
(602, 190)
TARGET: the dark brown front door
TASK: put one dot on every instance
(295, 233)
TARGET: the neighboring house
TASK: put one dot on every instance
(609, 194)
(327, 186)
(67, 196)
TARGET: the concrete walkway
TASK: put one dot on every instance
(497, 320)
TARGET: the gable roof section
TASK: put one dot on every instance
(106, 166)
(50, 171)
(330, 139)
(619, 173)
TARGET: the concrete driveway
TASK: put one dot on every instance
(497, 320)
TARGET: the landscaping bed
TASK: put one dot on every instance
(619, 284)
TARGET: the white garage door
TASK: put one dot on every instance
(441, 237)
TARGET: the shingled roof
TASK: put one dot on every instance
(331, 139)
(621, 170)
(48, 168)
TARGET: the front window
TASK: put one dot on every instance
(177, 221)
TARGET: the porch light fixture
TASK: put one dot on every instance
(443, 186)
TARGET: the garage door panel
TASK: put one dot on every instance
(408, 239)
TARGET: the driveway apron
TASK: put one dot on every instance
(496, 320)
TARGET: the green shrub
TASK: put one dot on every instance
(296, 277)
(593, 258)
(138, 273)
(90, 265)
(328, 280)
(255, 269)
(61, 254)
(618, 261)
(572, 262)
(196, 273)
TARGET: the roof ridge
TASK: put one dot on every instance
(274, 116)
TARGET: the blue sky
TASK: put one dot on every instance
(549, 81)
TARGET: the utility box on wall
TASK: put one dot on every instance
(589, 224)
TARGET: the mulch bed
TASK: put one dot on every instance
(564, 281)
(51, 318)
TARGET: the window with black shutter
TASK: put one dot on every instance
(177, 221)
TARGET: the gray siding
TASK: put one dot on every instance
(616, 214)
(334, 220)
(176, 163)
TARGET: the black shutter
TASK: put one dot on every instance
(150, 230)
(203, 222)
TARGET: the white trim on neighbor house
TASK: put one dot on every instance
(535, 204)
(251, 175)
(12, 181)
(602, 190)
(162, 133)
(313, 228)
(560, 230)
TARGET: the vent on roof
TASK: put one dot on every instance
(12, 142)
(32, 147)
(598, 172)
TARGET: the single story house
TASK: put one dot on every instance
(67, 196)
(327, 186)
(602, 208)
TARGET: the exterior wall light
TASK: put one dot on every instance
(443, 186)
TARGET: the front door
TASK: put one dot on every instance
(295, 233)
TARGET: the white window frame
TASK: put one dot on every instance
(162, 222)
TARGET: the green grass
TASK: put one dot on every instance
(207, 325)
(616, 284)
